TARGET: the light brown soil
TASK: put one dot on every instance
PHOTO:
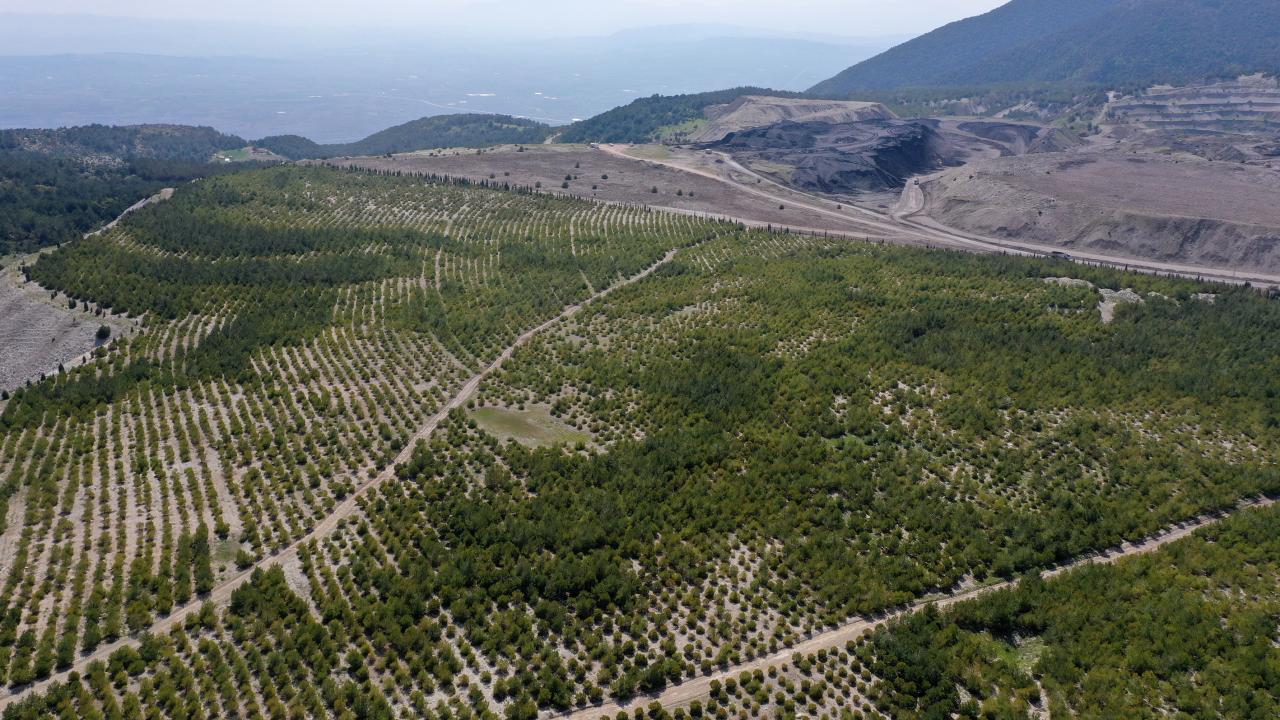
(38, 333)
(754, 112)
(1141, 206)
(723, 188)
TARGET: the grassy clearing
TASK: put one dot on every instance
(682, 131)
(241, 155)
(650, 152)
(534, 427)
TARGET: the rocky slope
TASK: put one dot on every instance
(842, 157)
(1143, 206)
(756, 111)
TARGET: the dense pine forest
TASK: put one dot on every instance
(288, 496)
(1188, 632)
(48, 200)
(103, 144)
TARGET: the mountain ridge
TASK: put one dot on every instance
(1108, 42)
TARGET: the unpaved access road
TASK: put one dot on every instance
(221, 594)
(699, 688)
(908, 226)
(161, 196)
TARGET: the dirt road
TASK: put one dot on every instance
(221, 594)
(39, 335)
(161, 196)
(907, 225)
(699, 688)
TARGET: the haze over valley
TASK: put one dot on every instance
(257, 80)
(489, 360)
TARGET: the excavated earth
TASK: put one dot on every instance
(842, 158)
(753, 111)
(1233, 121)
(1140, 205)
(1005, 138)
(881, 154)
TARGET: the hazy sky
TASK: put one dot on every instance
(548, 17)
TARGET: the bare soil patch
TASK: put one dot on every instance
(1136, 205)
(756, 112)
(37, 333)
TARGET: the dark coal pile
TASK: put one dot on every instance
(872, 155)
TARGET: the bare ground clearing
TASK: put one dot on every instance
(910, 223)
(722, 187)
(37, 333)
(1143, 207)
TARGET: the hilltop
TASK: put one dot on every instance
(753, 111)
(112, 145)
(56, 184)
(466, 130)
(660, 117)
(1109, 42)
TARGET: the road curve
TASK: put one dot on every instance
(221, 593)
(907, 225)
(699, 687)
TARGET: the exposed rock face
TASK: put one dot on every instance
(1214, 214)
(1236, 121)
(1020, 138)
(1249, 104)
(844, 157)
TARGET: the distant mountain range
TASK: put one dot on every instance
(1103, 42)
(340, 86)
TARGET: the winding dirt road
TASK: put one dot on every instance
(699, 688)
(909, 225)
(221, 594)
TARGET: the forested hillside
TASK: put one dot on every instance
(442, 131)
(47, 200)
(108, 144)
(58, 184)
(1093, 42)
(323, 430)
(646, 119)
